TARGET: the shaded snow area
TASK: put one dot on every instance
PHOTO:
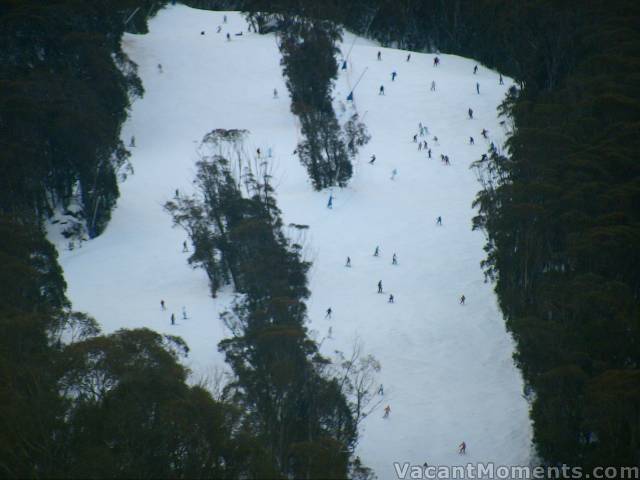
(447, 370)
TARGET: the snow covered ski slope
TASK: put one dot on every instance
(446, 368)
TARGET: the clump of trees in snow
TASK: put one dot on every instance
(308, 45)
(304, 414)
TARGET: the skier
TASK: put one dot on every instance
(435, 140)
(408, 57)
(387, 410)
(202, 32)
(470, 112)
(380, 286)
(228, 37)
(224, 19)
(462, 448)
(390, 298)
(478, 88)
(475, 69)
(329, 332)
(219, 29)
(159, 68)
(429, 153)
(393, 75)
(132, 143)
(269, 152)
(373, 160)
(394, 261)
(177, 193)
(462, 299)
(446, 160)
(471, 141)
(348, 264)
(376, 253)
(439, 221)
(436, 61)
(484, 157)
(330, 202)
(162, 307)
(394, 172)
(415, 138)
(381, 390)
(419, 146)
(381, 91)
(258, 152)
(379, 55)
(484, 132)
(328, 315)
(425, 145)
(433, 85)
(344, 65)
(184, 313)
(275, 93)
(173, 319)
(184, 246)
(501, 80)
(350, 96)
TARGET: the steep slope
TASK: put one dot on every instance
(446, 368)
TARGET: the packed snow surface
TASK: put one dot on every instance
(447, 368)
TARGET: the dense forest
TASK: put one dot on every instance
(65, 89)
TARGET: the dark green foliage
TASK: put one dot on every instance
(65, 87)
(79, 405)
(31, 279)
(323, 152)
(560, 207)
(132, 414)
(308, 50)
(298, 412)
(356, 135)
(307, 43)
(31, 295)
(564, 239)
